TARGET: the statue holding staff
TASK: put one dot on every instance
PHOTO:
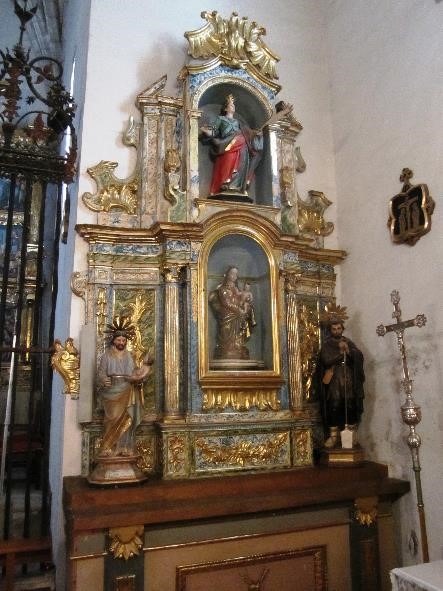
(341, 376)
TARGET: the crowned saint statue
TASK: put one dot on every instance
(235, 150)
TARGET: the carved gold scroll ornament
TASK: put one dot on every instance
(236, 42)
(112, 192)
(66, 362)
(242, 452)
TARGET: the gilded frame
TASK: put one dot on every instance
(210, 377)
(265, 562)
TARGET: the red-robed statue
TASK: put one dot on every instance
(235, 150)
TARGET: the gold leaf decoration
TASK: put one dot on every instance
(242, 452)
(126, 542)
(235, 41)
(66, 361)
(112, 192)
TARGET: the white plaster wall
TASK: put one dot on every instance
(386, 67)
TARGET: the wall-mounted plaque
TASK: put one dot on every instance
(410, 211)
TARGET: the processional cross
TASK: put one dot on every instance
(410, 411)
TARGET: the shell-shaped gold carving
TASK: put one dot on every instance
(126, 542)
(311, 215)
(66, 361)
(112, 192)
(243, 452)
(241, 400)
(235, 41)
(366, 510)
(79, 284)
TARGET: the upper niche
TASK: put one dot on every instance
(251, 113)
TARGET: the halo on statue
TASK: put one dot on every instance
(333, 314)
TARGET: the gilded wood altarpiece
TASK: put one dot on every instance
(150, 256)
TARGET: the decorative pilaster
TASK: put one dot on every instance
(193, 171)
(365, 569)
(172, 276)
(294, 361)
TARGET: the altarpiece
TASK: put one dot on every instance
(162, 244)
(219, 265)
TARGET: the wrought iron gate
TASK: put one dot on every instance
(36, 114)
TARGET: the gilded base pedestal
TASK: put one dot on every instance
(117, 470)
(340, 457)
(236, 364)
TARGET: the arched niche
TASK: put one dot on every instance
(252, 110)
(245, 254)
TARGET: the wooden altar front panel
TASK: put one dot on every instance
(273, 522)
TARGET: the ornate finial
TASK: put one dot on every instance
(405, 177)
(333, 314)
(235, 41)
(121, 327)
(24, 16)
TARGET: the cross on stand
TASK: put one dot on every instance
(410, 411)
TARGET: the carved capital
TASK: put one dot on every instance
(172, 272)
(292, 280)
(126, 542)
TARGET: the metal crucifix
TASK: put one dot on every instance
(410, 411)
